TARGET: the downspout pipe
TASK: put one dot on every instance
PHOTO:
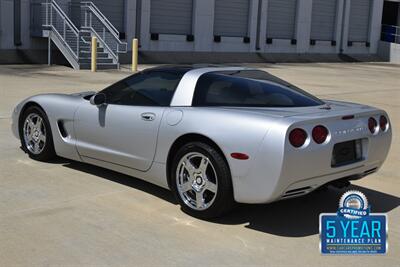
(342, 28)
(1, 29)
(258, 45)
(17, 23)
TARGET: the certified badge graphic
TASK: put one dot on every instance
(353, 229)
(353, 205)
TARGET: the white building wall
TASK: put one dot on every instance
(375, 25)
(253, 25)
(203, 24)
(389, 51)
(7, 25)
(303, 25)
(203, 20)
(6, 36)
(7, 22)
(130, 21)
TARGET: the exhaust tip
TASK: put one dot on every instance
(340, 184)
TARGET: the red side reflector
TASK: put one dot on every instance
(239, 156)
(348, 117)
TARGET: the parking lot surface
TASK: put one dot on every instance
(70, 214)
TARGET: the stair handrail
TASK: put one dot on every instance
(63, 15)
(106, 47)
(121, 47)
(49, 7)
(91, 4)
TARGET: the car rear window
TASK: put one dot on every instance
(249, 88)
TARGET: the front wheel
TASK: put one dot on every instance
(201, 181)
(35, 133)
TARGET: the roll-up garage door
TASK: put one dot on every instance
(114, 11)
(323, 23)
(171, 17)
(231, 17)
(359, 20)
(281, 19)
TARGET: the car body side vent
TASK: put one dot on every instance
(61, 128)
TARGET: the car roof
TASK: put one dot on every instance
(189, 67)
(184, 91)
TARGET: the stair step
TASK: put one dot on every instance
(99, 60)
(88, 54)
(85, 33)
(104, 60)
(83, 44)
(87, 49)
(104, 66)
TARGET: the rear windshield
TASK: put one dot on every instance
(249, 88)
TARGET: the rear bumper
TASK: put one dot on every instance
(270, 190)
(308, 185)
(281, 171)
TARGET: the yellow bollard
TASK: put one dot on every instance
(94, 54)
(135, 51)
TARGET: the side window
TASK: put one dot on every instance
(152, 88)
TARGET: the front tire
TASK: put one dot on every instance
(201, 181)
(35, 134)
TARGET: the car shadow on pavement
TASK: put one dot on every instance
(123, 179)
(297, 217)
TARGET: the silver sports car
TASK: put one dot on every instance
(212, 135)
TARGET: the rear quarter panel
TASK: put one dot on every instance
(231, 131)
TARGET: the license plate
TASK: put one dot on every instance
(346, 153)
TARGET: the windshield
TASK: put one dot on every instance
(249, 88)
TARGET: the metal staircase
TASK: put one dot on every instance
(75, 44)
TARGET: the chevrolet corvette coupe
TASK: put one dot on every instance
(212, 135)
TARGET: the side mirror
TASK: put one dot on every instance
(98, 99)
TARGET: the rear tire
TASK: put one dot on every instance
(201, 181)
(35, 134)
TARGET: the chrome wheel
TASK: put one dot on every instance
(196, 181)
(34, 132)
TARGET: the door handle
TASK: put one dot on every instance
(148, 116)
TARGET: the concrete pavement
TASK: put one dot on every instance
(68, 213)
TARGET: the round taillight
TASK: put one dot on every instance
(372, 125)
(383, 123)
(297, 137)
(319, 134)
